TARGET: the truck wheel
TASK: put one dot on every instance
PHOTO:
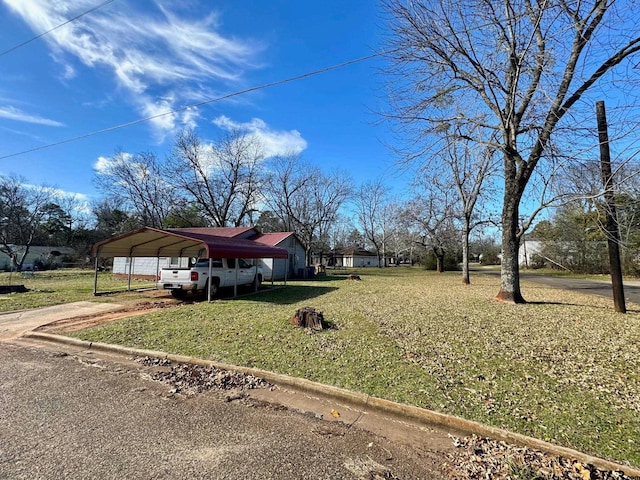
(178, 293)
(257, 281)
(214, 288)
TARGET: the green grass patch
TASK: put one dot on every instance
(564, 368)
(54, 287)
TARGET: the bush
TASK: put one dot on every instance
(490, 256)
(451, 262)
(536, 261)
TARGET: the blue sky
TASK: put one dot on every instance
(131, 59)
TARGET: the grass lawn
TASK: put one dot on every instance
(564, 367)
(53, 287)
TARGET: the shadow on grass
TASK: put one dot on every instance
(291, 293)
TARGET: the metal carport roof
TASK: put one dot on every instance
(152, 242)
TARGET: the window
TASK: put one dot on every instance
(215, 263)
(174, 262)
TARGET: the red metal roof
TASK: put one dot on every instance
(271, 239)
(152, 242)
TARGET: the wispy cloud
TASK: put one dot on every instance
(166, 52)
(274, 142)
(18, 115)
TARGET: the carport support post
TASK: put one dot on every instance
(255, 262)
(286, 269)
(209, 281)
(129, 275)
(95, 276)
(235, 284)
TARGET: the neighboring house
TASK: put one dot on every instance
(529, 249)
(566, 255)
(347, 257)
(274, 269)
(358, 257)
(292, 244)
(52, 256)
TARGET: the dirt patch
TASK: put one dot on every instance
(130, 309)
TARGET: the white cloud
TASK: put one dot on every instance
(15, 114)
(274, 142)
(155, 53)
(104, 164)
(165, 119)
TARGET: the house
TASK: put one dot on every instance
(347, 257)
(528, 251)
(292, 244)
(49, 257)
(358, 257)
(567, 255)
(274, 269)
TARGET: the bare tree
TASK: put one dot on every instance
(76, 210)
(433, 216)
(517, 67)
(223, 178)
(138, 182)
(402, 239)
(305, 199)
(469, 165)
(112, 218)
(372, 205)
(22, 209)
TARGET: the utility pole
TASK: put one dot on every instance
(613, 237)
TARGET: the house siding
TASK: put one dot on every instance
(278, 268)
(145, 267)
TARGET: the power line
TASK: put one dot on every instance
(56, 27)
(205, 102)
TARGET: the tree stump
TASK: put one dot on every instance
(308, 317)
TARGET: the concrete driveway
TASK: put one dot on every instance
(15, 324)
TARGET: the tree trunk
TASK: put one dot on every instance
(510, 269)
(439, 254)
(465, 254)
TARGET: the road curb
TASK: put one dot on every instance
(361, 401)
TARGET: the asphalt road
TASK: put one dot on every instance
(77, 416)
(594, 287)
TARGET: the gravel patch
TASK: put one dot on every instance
(477, 457)
(191, 379)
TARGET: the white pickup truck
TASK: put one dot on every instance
(181, 281)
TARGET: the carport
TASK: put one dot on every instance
(153, 242)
